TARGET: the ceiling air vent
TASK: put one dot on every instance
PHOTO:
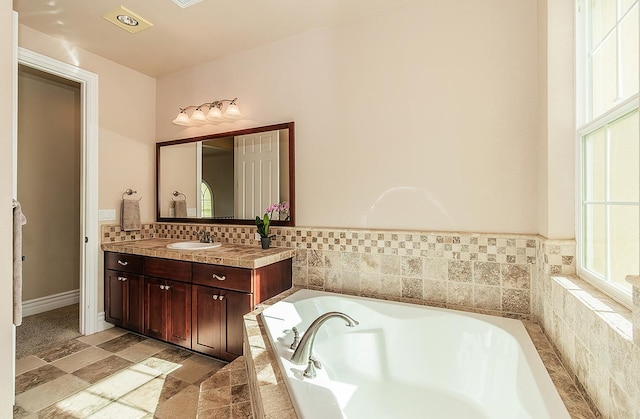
(186, 3)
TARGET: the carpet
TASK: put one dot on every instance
(45, 330)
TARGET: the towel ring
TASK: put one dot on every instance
(177, 194)
(130, 192)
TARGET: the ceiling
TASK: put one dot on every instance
(183, 38)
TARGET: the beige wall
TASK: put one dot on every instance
(49, 182)
(179, 162)
(556, 142)
(127, 102)
(423, 116)
(7, 350)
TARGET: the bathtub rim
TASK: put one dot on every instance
(513, 327)
(270, 397)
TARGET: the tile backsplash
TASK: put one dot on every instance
(510, 275)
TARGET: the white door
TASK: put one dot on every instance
(257, 173)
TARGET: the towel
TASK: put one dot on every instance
(130, 215)
(180, 207)
(18, 221)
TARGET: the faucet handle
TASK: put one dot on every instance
(296, 338)
(313, 363)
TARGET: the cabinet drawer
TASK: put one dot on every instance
(123, 262)
(168, 269)
(224, 277)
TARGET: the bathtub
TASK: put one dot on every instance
(409, 361)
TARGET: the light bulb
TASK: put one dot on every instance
(232, 112)
(215, 115)
(197, 117)
(182, 119)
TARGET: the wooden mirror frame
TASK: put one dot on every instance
(292, 189)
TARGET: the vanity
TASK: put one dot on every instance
(194, 299)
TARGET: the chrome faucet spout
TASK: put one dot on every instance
(305, 347)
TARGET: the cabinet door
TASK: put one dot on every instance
(206, 320)
(155, 313)
(123, 300)
(133, 310)
(234, 305)
(178, 313)
(114, 297)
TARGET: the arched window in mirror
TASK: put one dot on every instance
(208, 207)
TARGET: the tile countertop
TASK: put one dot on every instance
(229, 254)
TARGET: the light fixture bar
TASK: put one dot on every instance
(209, 112)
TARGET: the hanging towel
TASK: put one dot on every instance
(180, 207)
(130, 215)
(18, 221)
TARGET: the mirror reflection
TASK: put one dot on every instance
(227, 177)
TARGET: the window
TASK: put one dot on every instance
(608, 230)
(207, 200)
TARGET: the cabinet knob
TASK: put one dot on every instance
(219, 278)
(221, 297)
(122, 278)
(167, 287)
(164, 287)
(122, 263)
(215, 297)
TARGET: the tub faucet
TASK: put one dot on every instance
(303, 352)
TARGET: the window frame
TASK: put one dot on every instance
(585, 125)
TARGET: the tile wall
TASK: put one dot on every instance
(519, 276)
(591, 332)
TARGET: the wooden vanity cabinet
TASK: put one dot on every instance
(167, 298)
(217, 321)
(123, 287)
(195, 305)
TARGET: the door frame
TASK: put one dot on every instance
(89, 240)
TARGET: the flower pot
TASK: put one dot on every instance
(265, 242)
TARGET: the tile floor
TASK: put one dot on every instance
(117, 374)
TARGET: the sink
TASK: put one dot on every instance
(193, 245)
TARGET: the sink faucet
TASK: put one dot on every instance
(205, 236)
(303, 352)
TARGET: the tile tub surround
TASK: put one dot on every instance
(270, 398)
(592, 333)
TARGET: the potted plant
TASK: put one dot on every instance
(264, 223)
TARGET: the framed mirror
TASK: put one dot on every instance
(227, 178)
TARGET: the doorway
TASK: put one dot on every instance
(87, 239)
(49, 141)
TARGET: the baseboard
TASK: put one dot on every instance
(50, 302)
(102, 323)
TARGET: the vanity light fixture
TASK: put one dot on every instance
(213, 113)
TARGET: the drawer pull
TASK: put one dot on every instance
(123, 263)
(219, 278)
(215, 297)
(122, 278)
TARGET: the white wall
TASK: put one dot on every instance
(423, 116)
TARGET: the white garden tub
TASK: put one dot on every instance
(409, 361)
